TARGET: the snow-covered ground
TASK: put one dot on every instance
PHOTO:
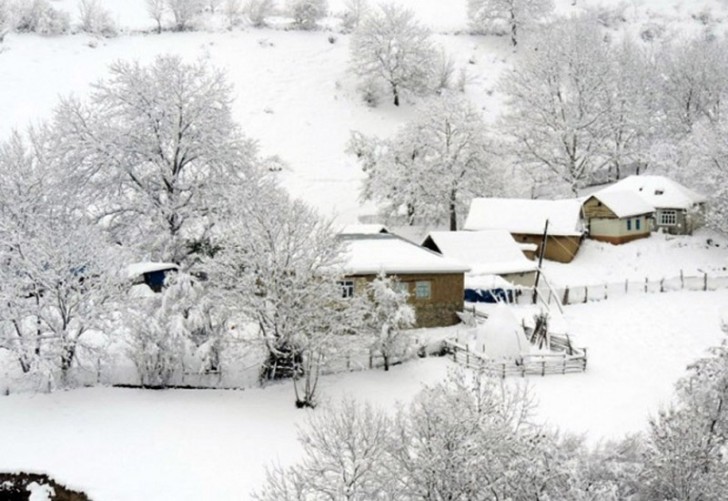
(120, 444)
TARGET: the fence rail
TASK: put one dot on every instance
(564, 359)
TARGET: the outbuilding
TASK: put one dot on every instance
(435, 283)
(617, 216)
(525, 220)
(678, 210)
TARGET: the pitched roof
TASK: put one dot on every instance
(137, 269)
(623, 203)
(363, 229)
(525, 216)
(658, 191)
(374, 253)
(486, 252)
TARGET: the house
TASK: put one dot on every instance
(617, 216)
(525, 220)
(435, 283)
(678, 210)
(489, 252)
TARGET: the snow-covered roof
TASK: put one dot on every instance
(525, 216)
(486, 252)
(363, 229)
(658, 191)
(136, 269)
(623, 203)
(374, 253)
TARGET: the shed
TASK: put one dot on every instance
(435, 283)
(677, 209)
(617, 216)
(151, 274)
(525, 219)
(488, 252)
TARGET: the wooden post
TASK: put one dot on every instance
(543, 368)
(542, 251)
(454, 353)
(605, 292)
(626, 286)
(566, 295)
(563, 364)
(586, 293)
(371, 360)
(705, 281)
(348, 361)
(647, 281)
(682, 280)
(467, 354)
(662, 285)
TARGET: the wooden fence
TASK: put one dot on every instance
(563, 359)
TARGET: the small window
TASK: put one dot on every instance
(629, 224)
(423, 290)
(347, 288)
(637, 224)
(400, 287)
(668, 218)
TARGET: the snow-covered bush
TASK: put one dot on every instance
(38, 16)
(95, 18)
(7, 22)
(258, 10)
(184, 12)
(354, 12)
(498, 17)
(306, 13)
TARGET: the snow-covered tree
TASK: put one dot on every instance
(345, 458)
(386, 314)
(58, 277)
(354, 12)
(506, 16)
(686, 453)
(306, 13)
(277, 263)
(258, 10)
(39, 16)
(155, 9)
(556, 103)
(434, 165)
(7, 22)
(95, 18)
(180, 328)
(392, 47)
(157, 148)
(184, 12)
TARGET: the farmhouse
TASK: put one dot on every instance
(678, 210)
(617, 216)
(489, 252)
(435, 283)
(525, 220)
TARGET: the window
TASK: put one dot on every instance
(347, 288)
(637, 224)
(400, 287)
(423, 290)
(629, 224)
(668, 218)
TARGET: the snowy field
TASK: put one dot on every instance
(120, 444)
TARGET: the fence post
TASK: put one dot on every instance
(454, 353)
(647, 281)
(626, 286)
(371, 360)
(543, 368)
(662, 285)
(348, 361)
(586, 293)
(467, 354)
(605, 291)
(566, 295)
(682, 280)
(705, 281)
(563, 364)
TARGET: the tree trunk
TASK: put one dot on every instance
(453, 211)
(514, 28)
(386, 361)
(395, 93)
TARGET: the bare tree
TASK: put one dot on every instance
(392, 47)
(433, 167)
(506, 16)
(184, 12)
(95, 18)
(557, 105)
(355, 11)
(306, 13)
(157, 146)
(156, 9)
(258, 10)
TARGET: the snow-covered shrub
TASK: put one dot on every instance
(184, 12)
(6, 19)
(306, 13)
(232, 10)
(354, 12)
(258, 10)
(95, 18)
(38, 16)
(498, 17)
